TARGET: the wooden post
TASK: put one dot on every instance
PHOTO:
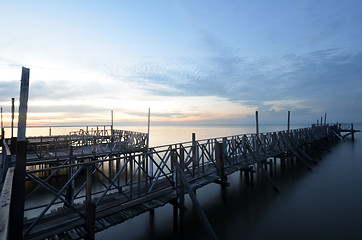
(148, 128)
(131, 162)
(112, 125)
(288, 121)
(220, 158)
(257, 122)
(2, 125)
(70, 190)
(219, 154)
(18, 191)
(50, 131)
(117, 169)
(176, 183)
(90, 216)
(12, 116)
(352, 130)
(182, 193)
(196, 203)
(150, 163)
(193, 153)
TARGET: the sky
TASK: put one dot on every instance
(190, 62)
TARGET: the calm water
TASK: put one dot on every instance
(325, 203)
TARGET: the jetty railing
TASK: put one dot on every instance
(125, 178)
(6, 158)
(84, 143)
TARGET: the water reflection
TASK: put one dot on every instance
(318, 204)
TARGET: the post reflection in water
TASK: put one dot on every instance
(323, 203)
(314, 204)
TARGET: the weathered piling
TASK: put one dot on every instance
(18, 191)
(90, 214)
(12, 116)
(147, 178)
(288, 121)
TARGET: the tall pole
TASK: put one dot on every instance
(12, 116)
(148, 128)
(257, 122)
(112, 124)
(288, 121)
(18, 191)
(2, 124)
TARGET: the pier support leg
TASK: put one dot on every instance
(181, 193)
(18, 192)
(71, 170)
(221, 171)
(194, 154)
(90, 214)
(196, 203)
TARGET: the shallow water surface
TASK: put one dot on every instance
(325, 203)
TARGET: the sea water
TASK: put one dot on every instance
(325, 203)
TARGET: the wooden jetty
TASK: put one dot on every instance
(71, 186)
(89, 181)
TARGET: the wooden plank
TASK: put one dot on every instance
(5, 200)
(161, 196)
(72, 234)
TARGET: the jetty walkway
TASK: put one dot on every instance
(87, 181)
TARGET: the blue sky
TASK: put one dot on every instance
(191, 62)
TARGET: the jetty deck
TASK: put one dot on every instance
(85, 182)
